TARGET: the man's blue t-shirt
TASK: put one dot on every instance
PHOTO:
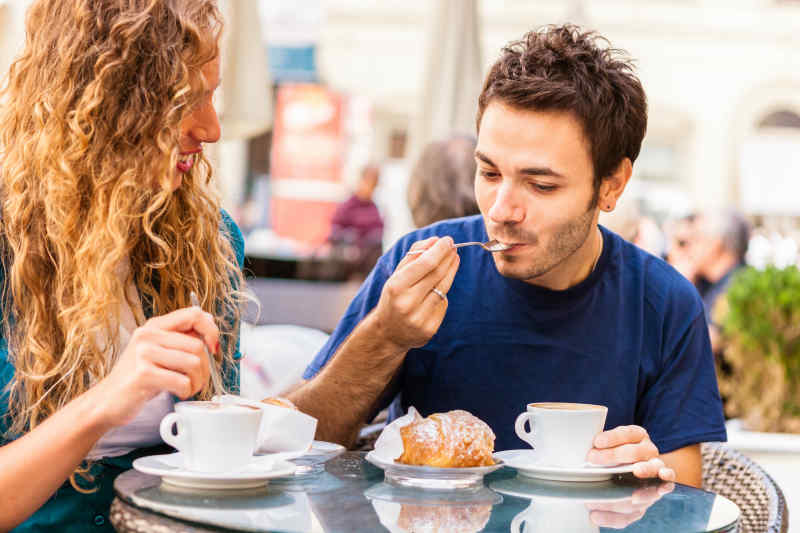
(631, 336)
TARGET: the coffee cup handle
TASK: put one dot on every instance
(519, 426)
(176, 441)
(516, 523)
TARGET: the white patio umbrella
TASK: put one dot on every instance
(453, 73)
(12, 31)
(244, 101)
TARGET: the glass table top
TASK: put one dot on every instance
(351, 495)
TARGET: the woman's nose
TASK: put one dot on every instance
(206, 128)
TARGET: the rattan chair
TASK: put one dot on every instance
(738, 478)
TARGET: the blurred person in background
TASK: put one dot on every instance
(441, 185)
(718, 250)
(357, 226)
(109, 221)
(633, 226)
(680, 237)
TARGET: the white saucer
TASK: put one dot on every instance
(256, 474)
(429, 477)
(540, 489)
(313, 461)
(524, 461)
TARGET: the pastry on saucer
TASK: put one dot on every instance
(455, 439)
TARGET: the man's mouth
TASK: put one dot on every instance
(512, 246)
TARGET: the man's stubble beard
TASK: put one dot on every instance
(564, 243)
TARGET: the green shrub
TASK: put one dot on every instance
(760, 319)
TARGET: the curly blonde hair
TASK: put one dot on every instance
(90, 132)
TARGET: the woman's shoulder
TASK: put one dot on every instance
(234, 235)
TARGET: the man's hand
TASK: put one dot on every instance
(621, 514)
(630, 444)
(410, 309)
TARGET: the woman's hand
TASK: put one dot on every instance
(165, 354)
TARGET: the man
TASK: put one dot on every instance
(570, 313)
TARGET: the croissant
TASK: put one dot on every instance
(447, 440)
(444, 519)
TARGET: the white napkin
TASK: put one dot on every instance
(389, 445)
(282, 429)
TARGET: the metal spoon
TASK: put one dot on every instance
(216, 380)
(490, 246)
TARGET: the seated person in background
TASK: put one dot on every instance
(571, 312)
(680, 236)
(441, 185)
(357, 227)
(107, 226)
(718, 249)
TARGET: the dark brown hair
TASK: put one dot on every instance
(563, 68)
(441, 184)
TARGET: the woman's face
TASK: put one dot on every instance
(201, 126)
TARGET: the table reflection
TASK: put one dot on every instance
(351, 495)
(407, 510)
(579, 507)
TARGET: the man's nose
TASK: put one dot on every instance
(505, 208)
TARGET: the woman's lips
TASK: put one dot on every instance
(187, 161)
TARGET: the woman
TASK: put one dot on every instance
(108, 224)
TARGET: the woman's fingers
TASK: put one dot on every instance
(175, 383)
(191, 365)
(189, 319)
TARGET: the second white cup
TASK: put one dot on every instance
(561, 433)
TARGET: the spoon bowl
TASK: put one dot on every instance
(490, 246)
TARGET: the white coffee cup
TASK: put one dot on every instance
(561, 433)
(553, 515)
(212, 437)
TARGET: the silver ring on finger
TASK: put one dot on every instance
(439, 293)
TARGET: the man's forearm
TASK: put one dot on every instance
(345, 391)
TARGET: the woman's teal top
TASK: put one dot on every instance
(68, 510)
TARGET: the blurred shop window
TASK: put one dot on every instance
(657, 162)
(769, 165)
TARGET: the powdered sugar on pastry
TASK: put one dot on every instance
(448, 440)
(443, 519)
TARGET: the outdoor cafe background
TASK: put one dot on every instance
(315, 89)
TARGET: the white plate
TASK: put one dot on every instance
(524, 461)
(429, 477)
(256, 474)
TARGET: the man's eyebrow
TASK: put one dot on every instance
(484, 158)
(527, 171)
(540, 171)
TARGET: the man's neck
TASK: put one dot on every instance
(576, 267)
(720, 267)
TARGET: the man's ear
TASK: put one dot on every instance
(613, 185)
